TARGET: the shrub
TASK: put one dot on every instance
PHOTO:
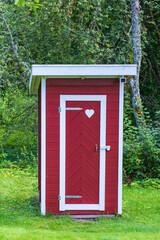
(142, 149)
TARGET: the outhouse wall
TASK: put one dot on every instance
(55, 88)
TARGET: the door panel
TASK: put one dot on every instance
(82, 155)
(82, 163)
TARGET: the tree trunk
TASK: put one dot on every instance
(137, 53)
(13, 45)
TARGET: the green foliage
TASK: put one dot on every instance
(146, 183)
(20, 2)
(149, 76)
(85, 29)
(61, 32)
(33, 4)
(26, 162)
(141, 149)
(18, 132)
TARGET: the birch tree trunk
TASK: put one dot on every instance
(13, 45)
(137, 53)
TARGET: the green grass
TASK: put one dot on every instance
(20, 215)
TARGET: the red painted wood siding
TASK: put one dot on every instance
(55, 87)
(39, 142)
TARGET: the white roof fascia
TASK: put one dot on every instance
(79, 71)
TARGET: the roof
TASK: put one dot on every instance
(79, 71)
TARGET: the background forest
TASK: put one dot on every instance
(77, 32)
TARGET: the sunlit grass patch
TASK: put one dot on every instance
(20, 216)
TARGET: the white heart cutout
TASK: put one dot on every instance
(89, 112)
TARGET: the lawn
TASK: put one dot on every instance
(20, 215)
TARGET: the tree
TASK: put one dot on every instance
(136, 38)
(137, 55)
(150, 74)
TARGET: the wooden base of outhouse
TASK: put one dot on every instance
(90, 217)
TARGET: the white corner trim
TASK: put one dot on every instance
(43, 147)
(62, 182)
(120, 146)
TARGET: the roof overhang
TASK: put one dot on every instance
(79, 71)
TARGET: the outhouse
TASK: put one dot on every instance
(80, 135)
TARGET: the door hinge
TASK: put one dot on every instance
(72, 196)
(59, 197)
(59, 109)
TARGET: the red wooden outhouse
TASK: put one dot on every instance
(80, 125)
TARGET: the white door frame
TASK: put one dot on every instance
(62, 205)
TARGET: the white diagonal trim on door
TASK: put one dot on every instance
(63, 99)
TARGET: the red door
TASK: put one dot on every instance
(82, 152)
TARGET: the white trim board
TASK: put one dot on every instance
(43, 147)
(82, 207)
(79, 71)
(101, 205)
(120, 146)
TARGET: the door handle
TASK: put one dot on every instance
(96, 148)
(108, 148)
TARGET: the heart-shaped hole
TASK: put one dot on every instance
(89, 112)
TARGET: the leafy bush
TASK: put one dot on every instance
(145, 183)
(18, 127)
(141, 149)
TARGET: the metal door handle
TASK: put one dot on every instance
(106, 148)
(96, 148)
